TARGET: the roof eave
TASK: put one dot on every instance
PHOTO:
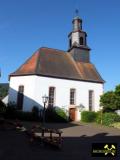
(51, 76)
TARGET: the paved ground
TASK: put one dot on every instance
(77, 141)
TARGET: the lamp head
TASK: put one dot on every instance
(45, 99)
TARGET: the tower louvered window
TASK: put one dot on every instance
(81, 40)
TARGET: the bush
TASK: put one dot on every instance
(108, 118)
(13, 113)
(2, 108)
(116, 125)
(61, 115)
(55, 114)
(27, 116)
(88, 116)
(12, 105)
(10, 112)
(35, 112)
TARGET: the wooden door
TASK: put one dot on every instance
(72, 114)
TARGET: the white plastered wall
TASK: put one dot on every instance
(36, 86)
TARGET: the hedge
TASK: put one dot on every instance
(108, 118)
(88, 116)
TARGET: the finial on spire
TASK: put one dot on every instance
(76, 12)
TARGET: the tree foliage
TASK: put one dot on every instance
(117, 93)
(111, 99)
(3, 90)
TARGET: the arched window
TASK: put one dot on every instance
(81, 40)
(70, 43)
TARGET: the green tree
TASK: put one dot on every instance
(108, 101)
(3, 90)
(117, 94)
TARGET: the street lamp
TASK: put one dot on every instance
(45, 100)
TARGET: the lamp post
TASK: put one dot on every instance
(45, 100)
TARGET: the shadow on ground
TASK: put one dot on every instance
(15, 146)
(51, 125)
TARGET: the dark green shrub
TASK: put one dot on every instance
(55, 114)
(12, 105)
(10, 112)
(2, 108)
(108, 118)
(27, 116)
(2, 104)
(60, 114)
(35, 112)
(13, 113)
(88, 116)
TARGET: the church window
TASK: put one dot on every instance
(20, 97)
(72, 96)
(81, 40)
(51, 97)
(91, 100)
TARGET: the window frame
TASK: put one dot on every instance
(72, 98)
(91, 100)
(51, 100)
(81, 40)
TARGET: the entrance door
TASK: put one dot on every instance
(72, 114)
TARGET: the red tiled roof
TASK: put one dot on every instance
(55, 63)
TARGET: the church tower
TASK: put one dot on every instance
(78, 41)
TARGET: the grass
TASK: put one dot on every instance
(116, 125)
(94, 124)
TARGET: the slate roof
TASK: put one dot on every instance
(59, 64)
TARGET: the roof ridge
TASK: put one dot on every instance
(53, 49)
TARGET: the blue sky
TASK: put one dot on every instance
(26, 25)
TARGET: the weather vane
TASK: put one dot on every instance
(76, 12)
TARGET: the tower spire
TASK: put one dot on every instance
(78, 37)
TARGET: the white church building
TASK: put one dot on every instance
(68, 78)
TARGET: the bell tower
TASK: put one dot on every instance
(78, 41)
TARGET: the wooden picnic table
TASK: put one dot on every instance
(53, 136)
